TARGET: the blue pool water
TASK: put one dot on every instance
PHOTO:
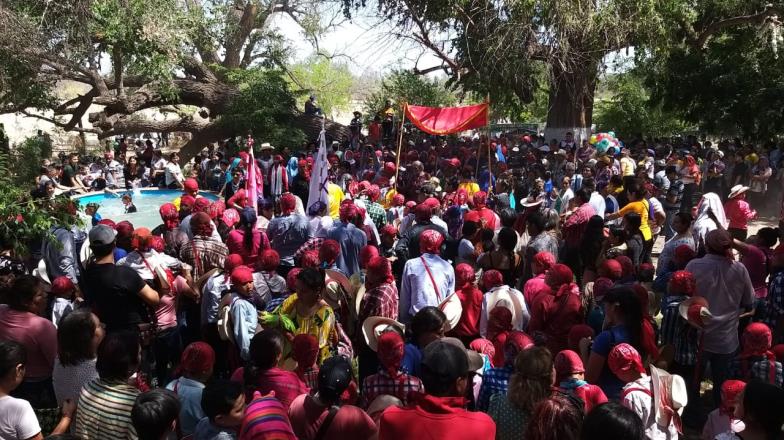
(147, 202)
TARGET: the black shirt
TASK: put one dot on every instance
(69, 172)
(113, 293)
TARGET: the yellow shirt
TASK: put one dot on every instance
(321, 325)
(335, 195)
(640, 208)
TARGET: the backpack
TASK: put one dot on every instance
(225, 331)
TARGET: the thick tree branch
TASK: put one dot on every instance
(242, 18)
(705, 35)
(59, 123)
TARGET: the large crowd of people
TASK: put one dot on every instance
(471, 288)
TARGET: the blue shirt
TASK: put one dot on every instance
(412, 357)
(604, 343)
(352, 240)
(495, 380)
(287, 234)
(244, 319)
(188, 391)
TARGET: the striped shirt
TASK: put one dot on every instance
(757, 368)
(104, 411)
(677, 332)
(266, 417)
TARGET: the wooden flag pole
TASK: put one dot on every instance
(399, 146)
(489, 161)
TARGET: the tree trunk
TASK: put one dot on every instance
(571, 102)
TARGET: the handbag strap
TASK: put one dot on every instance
(432, 280)
(322, 431)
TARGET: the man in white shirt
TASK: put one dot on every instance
(428, 279)
(174, 176)
(596, 200)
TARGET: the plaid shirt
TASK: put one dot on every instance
(381, 300)
(400, 387)
(495, 380)
(313, 244)
(756, 367)
(211, 254)
(775, 302)
(309, 377)
(376, 213)
(677, 332)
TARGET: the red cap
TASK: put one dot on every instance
(241, 275)
(62, 285)
(232, 261)
(197, 358)
(190, 185)
(566, 363)
(623, 357)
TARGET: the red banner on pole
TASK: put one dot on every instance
(447, 120)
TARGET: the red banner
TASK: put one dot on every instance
(447, 120)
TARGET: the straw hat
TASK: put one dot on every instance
(358, 300)
(453, 309)
(670, 397)
(266, 146)
(374, 326)
(40, 272)
(342, 280)
(737, 190)
(695, 311)
(85, 253)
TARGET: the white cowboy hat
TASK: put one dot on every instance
(705, 314)
(199, 284)
(85, 253)
(40, 272)
(737, 190)
(342, 280)
(503, 297)
(266, 146)
(670, 397)
(530, 202)
(453, 309)
(374, 326)
(358, 299)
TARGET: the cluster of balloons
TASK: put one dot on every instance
(603, 141)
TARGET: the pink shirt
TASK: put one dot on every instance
(756, 263)
(36, 334)
(739, 213)
(236, 244)
(533, 288)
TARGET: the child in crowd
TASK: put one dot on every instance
(391, 379)
(243, 314)
(305, 351)
(722, 419)
(154, 415)
(756, 360)
(64, 299)
(91, 210)
(570, 378)
(17, 419)
(223, 403)
(196, 365)
(127, 201)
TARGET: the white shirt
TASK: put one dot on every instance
(135, 261)
(60, 308)
(110, 171)
(173, 173)
(597, 202)
(657, 207)
(642, 404)
(185, 226)
(17, 419)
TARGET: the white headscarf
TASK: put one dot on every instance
(703, 224)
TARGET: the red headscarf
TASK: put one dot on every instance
(230, 217)
(291, 279)
(169, 215)
(730, 390)
(231, 261)
(627, 266)
(623, 357)
(578, 332)
(682, 283)
(480, 199)
(430, 241)
(348, 211)
(62, 285)
(390, 230)
(198, 358)
(190, 185)
(499, 320)
(217, 209)
(304, 350)
(423, 212)
(492, 278)
(140, 238)
(683, 254)
(310, 259)
(366, 254)
(566, 363)
(156, 243)
(464, 276)
(757, 340)
(329, 251)
(398, 200)
(187, 201)
(381, 269)
(544, 260)
(559, 278)
(373, 193)
(601, 286)
(241, 275)
(269, 260)
(288, 203)
(611, 269)
(484, 346)
(391, 349)
(202, 204)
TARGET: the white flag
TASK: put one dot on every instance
(319, 176)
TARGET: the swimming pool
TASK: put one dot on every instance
(147, 202)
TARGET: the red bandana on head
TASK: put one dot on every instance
(430, 241)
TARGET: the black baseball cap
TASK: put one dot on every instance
(334, 377)
(448, 358)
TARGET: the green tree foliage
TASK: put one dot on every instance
(330, 81)
(735, 86)
(25, 219)
(623, 105)
(133, 56)
(402, 86)
(26, 157)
